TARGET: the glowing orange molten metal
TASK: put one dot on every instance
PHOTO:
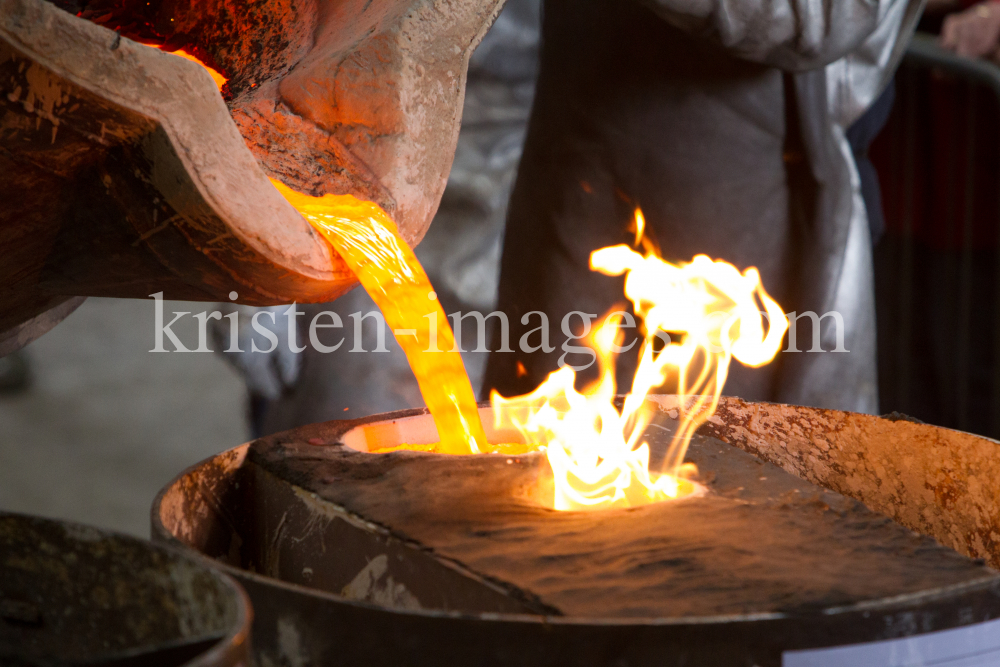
(364, 235)
(368, 241)
(592, 446)
(219, 80)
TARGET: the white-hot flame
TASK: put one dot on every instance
(710, 313)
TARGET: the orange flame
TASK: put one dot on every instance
(640, 227)
(592, 446)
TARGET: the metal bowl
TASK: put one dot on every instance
(74, 595)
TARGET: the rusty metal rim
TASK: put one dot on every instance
(861, 609)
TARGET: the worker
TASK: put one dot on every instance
(726, 124)
(972, 30)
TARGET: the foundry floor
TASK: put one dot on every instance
(106, 423)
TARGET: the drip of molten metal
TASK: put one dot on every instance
(366, 237)
(593, 446)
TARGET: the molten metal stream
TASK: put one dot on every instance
(368, 241)
(364, 235)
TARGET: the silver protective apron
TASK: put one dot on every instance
(725, 123)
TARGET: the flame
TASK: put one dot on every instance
(640, 227)
(366, 237)
(593, 446)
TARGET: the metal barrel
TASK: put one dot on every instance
(226, 511)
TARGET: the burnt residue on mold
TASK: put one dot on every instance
(761, 541)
